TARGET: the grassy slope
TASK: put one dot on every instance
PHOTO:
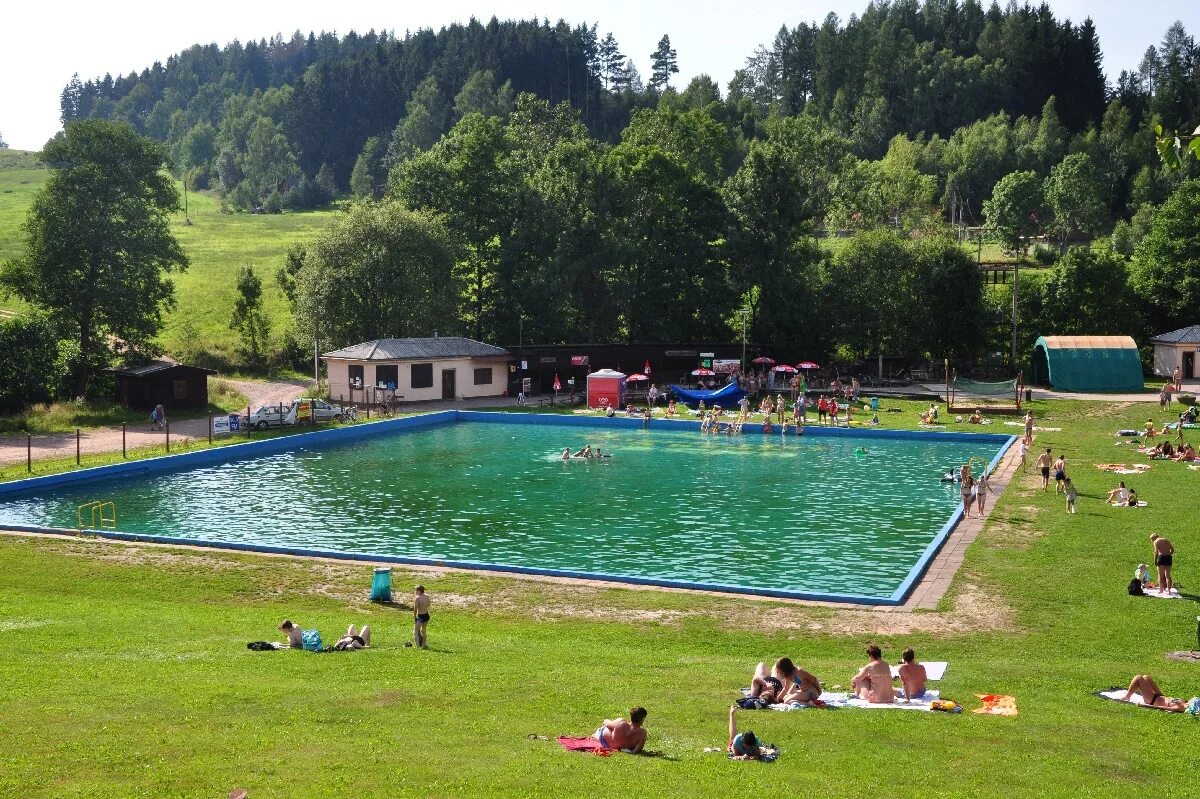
(218, 245)
(131, 678)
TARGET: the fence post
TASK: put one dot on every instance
(168, 428)
(210, 420)
(29, 453)
(123, 440)
(76, 446)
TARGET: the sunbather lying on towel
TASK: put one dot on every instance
(628, 736)
(874, 680)
(354, 640)
(745, 745)
(1145, 685)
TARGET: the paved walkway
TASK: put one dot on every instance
(108, 439)
(1045, 393)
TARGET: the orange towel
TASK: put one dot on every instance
(997, 705)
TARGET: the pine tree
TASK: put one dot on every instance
(611, 60)
(663, 64)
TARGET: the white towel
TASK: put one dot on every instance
(1154, 593)
(934, 670)
(849, 700)
(1119, 695)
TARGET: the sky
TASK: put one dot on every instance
(39, 53)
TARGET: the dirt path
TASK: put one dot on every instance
(108, 439)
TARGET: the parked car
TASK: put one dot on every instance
(280, 415)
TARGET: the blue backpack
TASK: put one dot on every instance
(311, 640)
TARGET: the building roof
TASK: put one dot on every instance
(147, 369)
(417, 349)
(1091, 363)
(1088, 342)
(1184, 335)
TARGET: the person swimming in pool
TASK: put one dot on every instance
(566, 453)
(584, 452)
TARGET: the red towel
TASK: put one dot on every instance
(584, 745)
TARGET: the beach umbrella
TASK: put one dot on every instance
(557, 383)
(763, 360)
(635, 376)
(783, 367)
(646, 368)
(807, 365)
(703, 373)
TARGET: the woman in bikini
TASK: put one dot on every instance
(967, 491)
(1145, 685)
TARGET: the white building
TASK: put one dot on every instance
(1178, 348)
(417, 369)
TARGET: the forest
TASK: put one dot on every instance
(826, 188)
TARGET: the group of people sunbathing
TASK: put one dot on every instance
(1185, 453)
(787, 683)
(585, 453)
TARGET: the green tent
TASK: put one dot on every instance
(1088, 363)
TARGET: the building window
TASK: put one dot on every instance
(386, 376)
(179, 389)
(356, 375)
(422, 375)
(483, 377)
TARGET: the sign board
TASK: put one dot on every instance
(570, 381)
(303, 411)
(725, 366)
(235, 423)
(680, 353)
(580, 360)
(526, 385)
(220, 425)
(706, 363)
(708, 355)
(524, 366)
(547, 359)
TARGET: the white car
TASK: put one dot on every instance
(280, 415)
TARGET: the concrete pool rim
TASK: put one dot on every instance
(252, 449)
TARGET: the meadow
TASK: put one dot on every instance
(218, 244)
(126, 672)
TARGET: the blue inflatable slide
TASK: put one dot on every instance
(726, 396)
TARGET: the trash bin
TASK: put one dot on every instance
(381, 586)
(1029, 395)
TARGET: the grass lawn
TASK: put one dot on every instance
(126, 673)
(218, 244)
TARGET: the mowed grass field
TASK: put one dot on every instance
(125, 671)
(217, 243)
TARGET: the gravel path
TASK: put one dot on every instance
(107, 439)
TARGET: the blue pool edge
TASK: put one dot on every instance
(251, 449)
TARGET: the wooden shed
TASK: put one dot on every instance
(173, 384)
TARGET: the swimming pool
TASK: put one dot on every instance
(832, 514)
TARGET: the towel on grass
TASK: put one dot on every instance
(841, 699)
(1154, 593)
(1118, 695)
(587, 744)
(1141, 504)
(997, 705)
(935, 670)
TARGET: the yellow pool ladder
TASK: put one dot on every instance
(99, 519)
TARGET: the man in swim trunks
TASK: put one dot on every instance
(1029, 425)
(420, 617)
(1043, 464)
(874, 680)
(627, 736)
(912, 675)
(1145, 685)
(1164, 556)
(1060, 474)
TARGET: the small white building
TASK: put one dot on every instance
(417, 369)
(1178, 348)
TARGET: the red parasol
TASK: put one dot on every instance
(807, 365)
(635, 376)
(703, 373)
(763, 360)
(783, 367)
(557, 383)
(646, 368)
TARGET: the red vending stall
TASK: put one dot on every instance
(606, 389)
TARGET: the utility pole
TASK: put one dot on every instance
(1016, 285)
(745, 316)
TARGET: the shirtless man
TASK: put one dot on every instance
(420, 617)
(912, 675)
(874, 680)
(1029, 426)
(293, 632)
(1164, 555)
(1145, 685)
(1043, 464)
(1060, 474)
(628, 736)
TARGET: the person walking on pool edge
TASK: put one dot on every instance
(420, 618)
(1164, 556)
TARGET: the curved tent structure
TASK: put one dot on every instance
(729, 395)
(1088, 363)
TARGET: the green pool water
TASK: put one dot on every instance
(759, 512)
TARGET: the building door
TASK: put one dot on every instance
(1189, 366)
(447, 384)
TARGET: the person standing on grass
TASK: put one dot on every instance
(1060, 473)
(1029, 426)
(1043, 464)
(1164, 558)
(1023, 453)
(1069, 489)
(1177, 378)
(420, 618)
